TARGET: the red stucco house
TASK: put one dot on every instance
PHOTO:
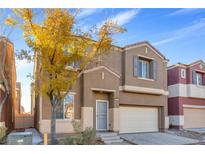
(186, 101)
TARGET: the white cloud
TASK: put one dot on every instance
(122, 17)
(195, 29)
(87, 12)
(184, 11)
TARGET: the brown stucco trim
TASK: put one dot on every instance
(100, 67)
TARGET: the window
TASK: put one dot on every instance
(73, 65)
(198, 78)
(65, 110)
(145, 68)
(183, 73)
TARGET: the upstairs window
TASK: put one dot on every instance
(197, 78)
(145, 68)
(183, 73)
(65, 110)
(73, 65)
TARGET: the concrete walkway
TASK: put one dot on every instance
(37, 139)
(157, 139)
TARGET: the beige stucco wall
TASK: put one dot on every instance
(186, 90)
(87, 117)
(114, 119)
(166, 122)
(62, 126)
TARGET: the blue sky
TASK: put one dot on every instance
(179, 34)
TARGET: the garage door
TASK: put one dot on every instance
(194, 118)
(138, 119)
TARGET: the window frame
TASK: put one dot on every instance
(73, 97)
(183, 73)
(145, 64)
(197, 78)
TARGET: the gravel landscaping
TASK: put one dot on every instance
(189, 133)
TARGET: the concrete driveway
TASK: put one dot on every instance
(157, 139)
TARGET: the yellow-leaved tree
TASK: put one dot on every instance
(57, 44)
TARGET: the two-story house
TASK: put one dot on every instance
(186, 102)
(7, 83)
(126, 92)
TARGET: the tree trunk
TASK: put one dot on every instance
(53, 126)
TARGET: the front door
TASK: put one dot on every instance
(102, 115)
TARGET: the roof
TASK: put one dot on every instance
(5, 38)
(141, 43)
(146, 43)
(186, 65)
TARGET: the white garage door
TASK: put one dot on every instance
(194, 118)
(138, 119)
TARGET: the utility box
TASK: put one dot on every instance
(20, 138)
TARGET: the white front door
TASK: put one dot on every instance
(102, 115)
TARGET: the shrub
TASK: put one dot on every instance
(72, 140)
(86, 137)
(77, 126)
(2, 133)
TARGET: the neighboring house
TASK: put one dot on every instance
(125, 92)
(7, 83)
(18, 98)
(22, 119)
(186, 102)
